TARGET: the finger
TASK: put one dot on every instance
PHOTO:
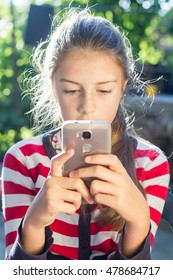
(80, 186)
(96, 171)
(74, 184)
(67, 208)
(107, 200)
(70, 196)
(58, 161)
(110, 161)
(98, 186)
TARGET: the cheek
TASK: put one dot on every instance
(112, 111)
(68, 111)
(62, 106)
(114, 103)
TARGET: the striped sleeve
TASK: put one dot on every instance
(22, 177)
(153, 173)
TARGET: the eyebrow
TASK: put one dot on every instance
(76, 83)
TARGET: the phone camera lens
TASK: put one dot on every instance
(86, 135)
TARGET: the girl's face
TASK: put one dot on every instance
(88, 85)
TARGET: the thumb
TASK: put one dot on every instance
(58, 161)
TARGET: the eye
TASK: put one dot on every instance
(74, 91)
(104, 92)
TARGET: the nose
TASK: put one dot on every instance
(87, 104)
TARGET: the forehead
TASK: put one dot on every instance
(79, 61)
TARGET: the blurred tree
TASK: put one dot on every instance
(134, 16)
(13, 61)
(164, 32)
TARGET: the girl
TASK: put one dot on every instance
(83, 74)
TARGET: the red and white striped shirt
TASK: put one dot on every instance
(25, 169)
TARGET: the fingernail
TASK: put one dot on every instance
(71, 174)
(88, 159)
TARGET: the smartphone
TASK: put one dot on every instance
(86, 138)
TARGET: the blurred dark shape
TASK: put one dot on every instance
(168, 208)
(39, 23)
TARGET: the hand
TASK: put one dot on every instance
(59, 194)
(114, 188)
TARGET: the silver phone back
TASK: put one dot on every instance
(73, 136)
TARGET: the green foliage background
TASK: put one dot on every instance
(149, 30)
